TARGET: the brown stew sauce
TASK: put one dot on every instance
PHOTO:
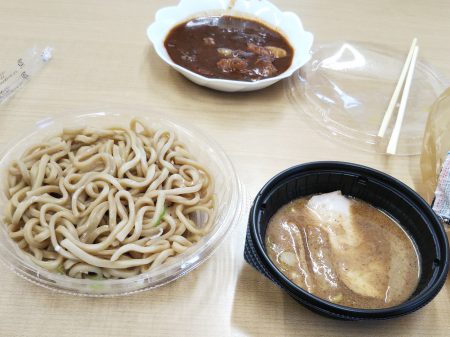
(229, 47)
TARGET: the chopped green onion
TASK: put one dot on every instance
(61, 270)
(158, 222)
(339, 297)
(95, 277)
(97, 286)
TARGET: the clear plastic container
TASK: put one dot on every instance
(346, 87)
(434, 159)
(436, 144)
(228, 190)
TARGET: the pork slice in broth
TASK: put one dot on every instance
(360, 264)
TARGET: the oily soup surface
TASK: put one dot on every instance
(229, 47)
(360, 259)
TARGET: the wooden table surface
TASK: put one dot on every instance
(102, 59)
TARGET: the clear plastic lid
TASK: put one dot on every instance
(346, 88)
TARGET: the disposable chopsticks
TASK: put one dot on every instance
(392, 146)
(406, 74)
(398, 88)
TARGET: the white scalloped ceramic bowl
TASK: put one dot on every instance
(287, 23)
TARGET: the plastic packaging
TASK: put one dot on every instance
(377, 188)
(345, 90)
(25, 67)
(228, 191)
(436, 144)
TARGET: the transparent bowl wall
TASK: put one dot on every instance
(229, 194)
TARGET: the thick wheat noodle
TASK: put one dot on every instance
(108, 203)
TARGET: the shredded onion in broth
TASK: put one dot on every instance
(108, 203)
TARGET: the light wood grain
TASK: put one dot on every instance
(102, 58)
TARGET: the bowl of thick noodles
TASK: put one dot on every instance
(111, 203)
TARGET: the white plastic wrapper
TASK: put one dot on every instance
(442, 202)
(22, 70)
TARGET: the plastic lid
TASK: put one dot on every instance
(346, 88)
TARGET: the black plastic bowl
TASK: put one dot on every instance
(374, 187)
